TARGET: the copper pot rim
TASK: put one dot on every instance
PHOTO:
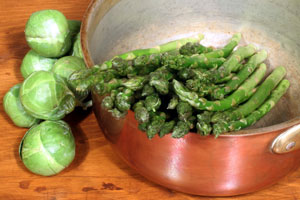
(241, 133)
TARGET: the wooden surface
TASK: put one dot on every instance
(96, 173)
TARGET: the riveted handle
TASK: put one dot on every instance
(287, 141)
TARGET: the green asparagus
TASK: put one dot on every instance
(256, 115)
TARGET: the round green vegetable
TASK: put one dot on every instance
(33, 62)
(45, 95)
(14, 109)
(47, 32)
(48, 148)
(65, 66)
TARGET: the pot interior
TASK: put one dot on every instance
(119, 26)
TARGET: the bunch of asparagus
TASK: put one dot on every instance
(183, 86)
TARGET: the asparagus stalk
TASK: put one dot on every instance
(147, 90)
(237, 56)
(180, 129)
(155, 125)
(173, 102)
(194, 48)
(256, 115)
(184, 111)
(230, 65)
(152, 102)
(259, 97)
(234, 99)
(167, 128)
(173, 45)
(236, 81)
(124, 99)
(203, 125)
(227, 49)
(179, 62)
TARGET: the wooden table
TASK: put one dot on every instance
(96, 173)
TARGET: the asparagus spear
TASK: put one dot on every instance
(155, 125)
(173, 102)
(173, 45)
(237, 56)
(179, 62)
(167, 128)
(141, 114)
(227, 49)
(117, 113)
(259, 97)
(203, 125)
(147, 90)
(184, 111)
(194, 48)
(256, 115)
(180, 129)
(124, 100)
(152, 102)
(234, 99)
(226, 79)
(107, 103)
(230, 65)
(218, 116)
(234, 83)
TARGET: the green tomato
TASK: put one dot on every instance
(13, 107)
(48, 148)
(77, 51)
(33, 62)
(47, 32)
(45, 95)
(65, 66)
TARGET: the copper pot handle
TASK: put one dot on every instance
(287, 141)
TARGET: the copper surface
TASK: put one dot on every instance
(199, 165)
(233, 164)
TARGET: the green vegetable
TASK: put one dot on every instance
(191, 48)
(74, 28)
(234, 99)
(277, 93)
(77, 50)
(237, 80)
(48, 148)
(166, 47)
(259, 96)
(203, 125)
(45, 95)
(152, 102)
(173, 102)
(195, 79)
(237, 56)
(167, 128)
(155, 125)
(184, 110)
(47, 33)
(179, 62)
(226, 51)
(14, 109)
(180, 129)
(67, 65)
(33, 62)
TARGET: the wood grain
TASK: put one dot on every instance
(96, 173)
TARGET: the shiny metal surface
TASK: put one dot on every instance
(287, 141)
(232, 164)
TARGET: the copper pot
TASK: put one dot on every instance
(237, 163)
